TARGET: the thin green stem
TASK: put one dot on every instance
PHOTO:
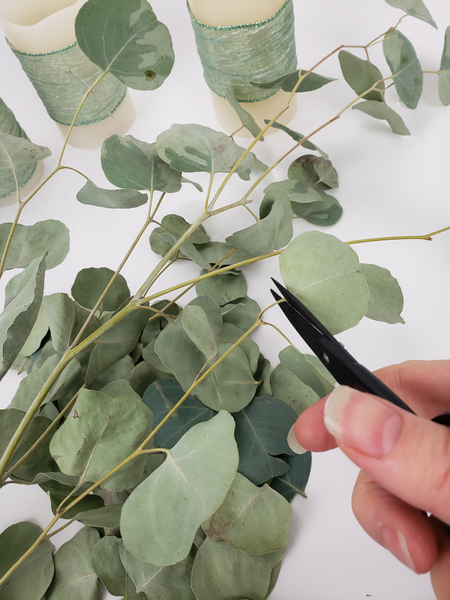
(428, 237)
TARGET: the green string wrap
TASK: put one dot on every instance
(62, 77)
(234, 56)
(9, 125)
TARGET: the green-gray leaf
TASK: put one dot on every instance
(324, 213)
(270, 233)
(161, 397)
(126, 39)
(130, 163)
(444, 71)
(161, 517)
(23, 298)
(288, 387)
(90, 284)
(261, 434)
(380, 110)
(33, 241)
(297, 137)
(312, 81)
(110, 570)
(415, 8)
(325, 274)
(223, 288)
(361, 75)
(405, 67)
(34, 575)
(221, 572)
(87, 444)
(17, 151)
(94, 196)
(74, 575)
(193, 148)
(294, 481)
(386, 298)
(246, 118)
(172, 582)
(238, 520)
(40, 460)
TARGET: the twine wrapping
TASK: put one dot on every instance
(62, 77)
(234, 56)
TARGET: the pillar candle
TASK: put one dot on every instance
(47, 28)
(235, 13)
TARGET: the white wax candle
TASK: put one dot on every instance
(39, 26)
(241, 12)
(233, 12)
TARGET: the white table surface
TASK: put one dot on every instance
(389, 185)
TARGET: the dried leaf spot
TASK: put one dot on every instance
(76, 415)
(149, 75)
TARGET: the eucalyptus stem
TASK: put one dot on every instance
(428, 237)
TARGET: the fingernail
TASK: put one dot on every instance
(360, 421)
(395, 542)
(293, 443)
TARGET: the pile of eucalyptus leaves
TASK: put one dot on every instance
(158, 425)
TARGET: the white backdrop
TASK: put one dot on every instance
(389, 185)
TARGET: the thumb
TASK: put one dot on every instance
(404, 454)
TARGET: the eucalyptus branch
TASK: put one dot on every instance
(428, 237)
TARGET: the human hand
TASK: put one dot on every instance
(404, 461)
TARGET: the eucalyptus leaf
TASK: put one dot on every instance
(32, 578)
(40, 460)
(361, 75)
(90, 284)
(23, 298)
(386, 298)
(261, 435)
(268, 234)
(308, 369)
(109, 569)
(289, 388)
(223, 288)
(314, 172)
(221, 572)
(105, 516)
(161, 517)
(60, 315)
(246, 507)
(161, 397)
(31, 385)
(246, 118)
(18, 151)
(405, 67)
(29, 242)
(312, 81)
(87, 445)
(380, 110)
(215, 253)
(130, 163)
(297, 137)
(242, 312)
(324, 213)
(415, 8)
(294, 481)
(325, 274)
(94, 196)
(444, 71)
(115, 344)
(74, 575)
(193, 148)
(126, 39)
(195, 323)
(37, 334)
(172, 582)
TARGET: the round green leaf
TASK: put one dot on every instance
(261, 435)
(221, 572)
(405, 67)
(361, 75)
(33, 241)
(74, 575)
(126, 39)
(251, 519)
(325, 275)
(87, 444)
(35, 574)
(386, 298)
(294, 481)
(193, 148)
(161, 517)
(130, 163)
(90, 283)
